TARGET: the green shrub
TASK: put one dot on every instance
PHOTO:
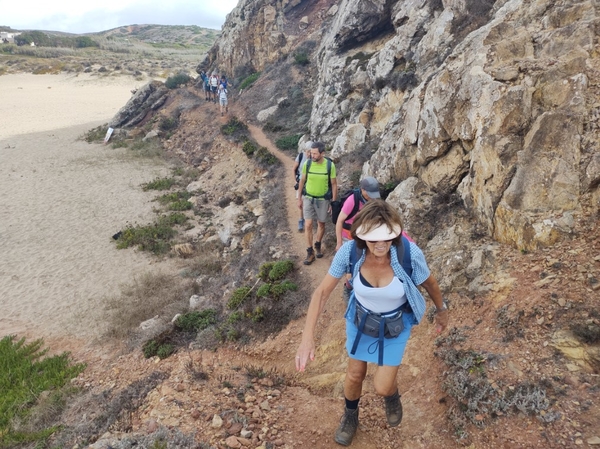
(249, 148)
(258, 314)
(249, 80)
(165, 351)
(95, 134)
(172, 219)
(25, 373)
(233, 334)
(238, 297)
(301, 58)
(180, 205)
(280, 269)
(150, 348)
(233, 127)
(168, 124)
(264, 156)
(274, 271)
(197, 320)
(263, 291)
(234, 317)
(85, 42)
(288, 142)
(173, 197)
(264, 270)
(155, 237)
(159, 184)
(279, 289)
(175, 81)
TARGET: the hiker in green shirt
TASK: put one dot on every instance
(318, 185)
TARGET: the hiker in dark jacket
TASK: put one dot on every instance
(383, 307)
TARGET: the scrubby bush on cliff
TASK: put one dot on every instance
(168, 124)
(249, 81)
(301, 58)
(478, 399)
(288, 142)
(175, 81)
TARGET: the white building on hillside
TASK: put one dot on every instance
(6, 37)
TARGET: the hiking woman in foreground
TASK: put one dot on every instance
(382, 309)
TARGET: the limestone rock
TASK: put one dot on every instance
(198, 302)
(585, 356)
(349, 140)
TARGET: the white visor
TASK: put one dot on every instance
(378, 234)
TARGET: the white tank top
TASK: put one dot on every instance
(379, 299)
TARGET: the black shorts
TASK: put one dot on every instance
(213, 89)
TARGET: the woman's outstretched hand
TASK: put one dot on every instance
(305, 352)
(441, 320)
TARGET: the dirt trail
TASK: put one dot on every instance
(293, 213)
(311, 274)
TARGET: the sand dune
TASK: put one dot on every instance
(61, 201)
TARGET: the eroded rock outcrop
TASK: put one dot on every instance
(499, 112)
(484, 114)
(148, 98)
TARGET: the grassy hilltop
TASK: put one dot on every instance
(153, 50)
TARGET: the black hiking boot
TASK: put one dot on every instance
(310, 256)
(318, 250)
(393, 409)
(347, 428)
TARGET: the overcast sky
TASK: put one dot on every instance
(85, 16)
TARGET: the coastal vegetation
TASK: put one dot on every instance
(34, 387)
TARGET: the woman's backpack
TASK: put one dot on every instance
(336, 206)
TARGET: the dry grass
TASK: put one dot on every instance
(146, 297)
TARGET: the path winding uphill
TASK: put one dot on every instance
(209, 392)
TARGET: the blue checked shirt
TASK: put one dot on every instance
(341, 264)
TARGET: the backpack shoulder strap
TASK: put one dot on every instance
(403, 253)
(356, 203)
(354, 257)
(299, 159)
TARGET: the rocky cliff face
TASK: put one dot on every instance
(485, 113)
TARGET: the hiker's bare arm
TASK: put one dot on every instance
(434, 292)
(334, 188)
(306, 350)
(338, 229)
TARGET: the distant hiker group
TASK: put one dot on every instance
(215, 89)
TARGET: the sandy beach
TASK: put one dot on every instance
(62, 199)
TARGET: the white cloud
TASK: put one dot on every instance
(76, 16)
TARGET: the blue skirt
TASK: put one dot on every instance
(368, 347)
